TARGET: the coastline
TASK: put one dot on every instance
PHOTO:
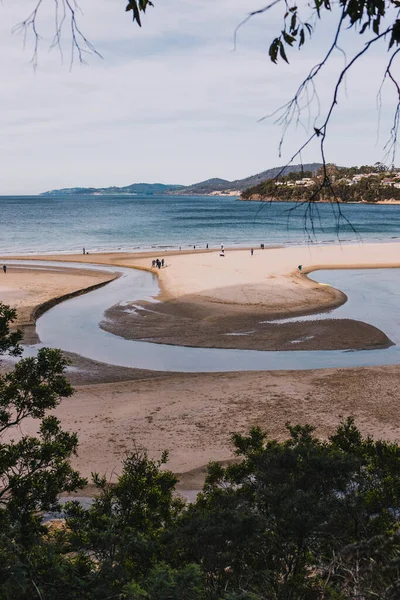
(207, 300)
(193, 415)
(33, 290)
(203, 274)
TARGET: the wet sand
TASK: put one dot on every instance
(31, 291)
(268, 280)
(205, 298)
(193, 415)
(207, 325)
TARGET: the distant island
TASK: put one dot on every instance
(214, 186)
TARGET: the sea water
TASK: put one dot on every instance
(73, 326)
(40, 224)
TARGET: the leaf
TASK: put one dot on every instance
(136, 14)
(318, 4)
(309, 28)
(137, 8)
(302, 38)
(289, 39)
(273, 50)
(282, 52)
(395, 37)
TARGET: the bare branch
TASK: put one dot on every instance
(65, 14)
(391, 145)
(250, 16)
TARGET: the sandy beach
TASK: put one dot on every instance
(32, 290)
(205, 298)
(268, 279)
(193, 415)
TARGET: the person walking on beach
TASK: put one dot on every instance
(83, 250)
(252, 251)
(222, 247)
(206, 246)
(5, 268)
(162, 262)
(153, 263)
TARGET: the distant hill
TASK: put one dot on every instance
(203, 187)
(135, 188)
(222, 185)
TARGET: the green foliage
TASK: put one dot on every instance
(121, 531)
(372, 566)
(336, 187)
(164, 583)
(298, 519)
(34, 469)
(362, 15)
(138, 6)
(9, 340)
(271, 524)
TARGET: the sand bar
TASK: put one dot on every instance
(193, 415)
(268, 279)
(30, 289)
(213, 301)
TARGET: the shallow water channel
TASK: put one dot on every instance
(373, 297)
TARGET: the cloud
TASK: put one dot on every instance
(170, 102)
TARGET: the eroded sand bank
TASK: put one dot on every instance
(28, 289)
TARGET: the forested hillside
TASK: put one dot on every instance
(356, 184)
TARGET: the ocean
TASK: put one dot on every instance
(38, 224)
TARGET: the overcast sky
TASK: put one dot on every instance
(171, 102)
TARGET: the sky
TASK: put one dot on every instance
(173, 101)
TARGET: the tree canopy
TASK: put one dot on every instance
(298, 519)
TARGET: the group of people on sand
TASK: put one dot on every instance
(157, 263)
